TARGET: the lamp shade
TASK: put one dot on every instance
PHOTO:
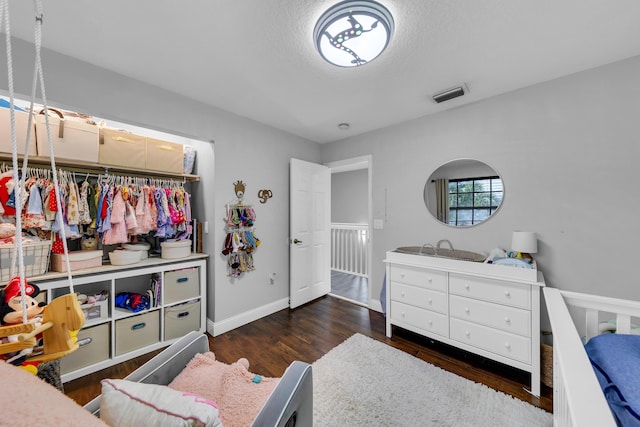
(525, 242)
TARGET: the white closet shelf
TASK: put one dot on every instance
(82, 275)
(88, 167)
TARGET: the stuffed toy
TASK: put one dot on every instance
(11, 302)
(238, 393)
(11, 314)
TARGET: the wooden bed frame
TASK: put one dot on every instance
(290, 403)
(577, 397)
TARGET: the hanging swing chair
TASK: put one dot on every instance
(61, 317)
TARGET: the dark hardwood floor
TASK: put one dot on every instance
(350, 286)
(310, 331)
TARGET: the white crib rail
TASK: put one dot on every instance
(594, 304)
(577, 398)
(349, 248)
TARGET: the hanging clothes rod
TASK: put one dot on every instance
(86, 173)
(82, 167)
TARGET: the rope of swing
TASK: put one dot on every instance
(38, 76)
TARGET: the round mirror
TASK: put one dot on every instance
(463, 192)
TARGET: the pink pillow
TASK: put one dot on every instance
(238, 393)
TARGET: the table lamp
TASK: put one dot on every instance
(525, 243)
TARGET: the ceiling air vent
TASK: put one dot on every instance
(450, 94)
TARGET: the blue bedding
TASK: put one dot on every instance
(616, 362)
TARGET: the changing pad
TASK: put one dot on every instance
(616, 362)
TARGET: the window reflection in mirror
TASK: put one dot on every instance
(463, 192)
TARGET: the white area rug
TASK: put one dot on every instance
(363, 382)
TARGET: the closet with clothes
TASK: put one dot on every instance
(114, 209)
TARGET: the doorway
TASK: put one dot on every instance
(351, 219)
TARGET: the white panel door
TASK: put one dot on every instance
(310, 232)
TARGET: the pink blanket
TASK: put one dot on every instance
(27, 400)
(238, 393)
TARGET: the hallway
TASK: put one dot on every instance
(351, 287)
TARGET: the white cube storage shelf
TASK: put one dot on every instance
(492, 312)
(120, 334)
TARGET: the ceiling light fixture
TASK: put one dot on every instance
(353, 32)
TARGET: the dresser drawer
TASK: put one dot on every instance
(498, 342)
(509, 319)
(425, 278)
(419, 297)
(507, 293)
(407, 315)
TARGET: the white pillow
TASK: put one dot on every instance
(126, 403)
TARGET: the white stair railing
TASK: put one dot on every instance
(349, 248)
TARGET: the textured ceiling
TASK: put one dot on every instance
(256, 58)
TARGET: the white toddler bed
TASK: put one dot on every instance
(290, 404)
(578, 398)
(27, 400)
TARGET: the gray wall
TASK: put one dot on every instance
(244, 149)
(568, 152)
(566, 149)
(349, 197)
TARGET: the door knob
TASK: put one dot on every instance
(296, 241)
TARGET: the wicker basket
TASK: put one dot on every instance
(35, 256)
(546, 359)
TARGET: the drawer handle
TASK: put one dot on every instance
(121, 139)
(182, 279)
(507, 294)
(466, 310)
(507, 320)
(402, 294)
(85, 341)
(466, 286)
(430, 301)
(401, 274)
(138, 326)
(402, 314)
(468, 334)
(183, 314)
(507, 345)
(429, 280)
(430, 322)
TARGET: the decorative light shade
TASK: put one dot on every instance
(352, 33)
(525, 242)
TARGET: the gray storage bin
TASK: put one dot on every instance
(181, 285)
(181, 319)
(94, 348)
(137, 332)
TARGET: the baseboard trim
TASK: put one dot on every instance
(226, 325)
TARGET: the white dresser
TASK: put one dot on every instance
(490, 310)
